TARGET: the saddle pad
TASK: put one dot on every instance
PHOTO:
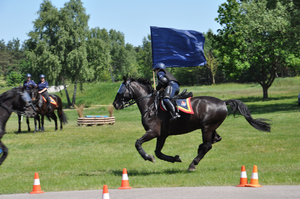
(52, 101)
(183, 105)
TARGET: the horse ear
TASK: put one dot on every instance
(124, 78)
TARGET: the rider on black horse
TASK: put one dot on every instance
(167, 81)
(42, 87)
(28, 84)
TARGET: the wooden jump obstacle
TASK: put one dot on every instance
(95, 120)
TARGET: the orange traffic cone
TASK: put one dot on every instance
(243, 178)
(105, 194)
(125, 182)
(254, 178)
(36, 184)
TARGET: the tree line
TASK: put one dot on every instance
(258, 41)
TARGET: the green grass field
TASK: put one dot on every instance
(81, 158)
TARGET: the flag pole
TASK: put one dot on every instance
(154, 85)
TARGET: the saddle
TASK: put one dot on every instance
(181, 102)
(52, 101)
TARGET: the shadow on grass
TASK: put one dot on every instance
(259, 99)
(271, 107)
(134, 172)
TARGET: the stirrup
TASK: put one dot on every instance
(175, 117)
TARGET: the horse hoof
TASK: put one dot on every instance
(152, 158)
(177, 158)
(191, 168)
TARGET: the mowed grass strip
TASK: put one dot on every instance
(81, 158)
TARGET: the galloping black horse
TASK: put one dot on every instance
(209, 113)
(41, 105)
(15, 100)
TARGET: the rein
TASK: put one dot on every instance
(132, 101)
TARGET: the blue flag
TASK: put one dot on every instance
(177, 48)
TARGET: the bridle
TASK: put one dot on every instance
(132, 101)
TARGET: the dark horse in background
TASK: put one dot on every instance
(209, 113)
(42, 110)
(15, 100)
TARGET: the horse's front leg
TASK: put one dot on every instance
(149, 135)
(53, 116)
(159, 145)
(28, 125)
(36, 118)
(19, 121)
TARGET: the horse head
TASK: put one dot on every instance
(18, 100)
(124, 94)
(131, 91)
(36, 98)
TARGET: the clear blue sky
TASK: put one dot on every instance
(132, 17)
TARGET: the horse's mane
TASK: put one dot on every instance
(144, 82)
(9, 94)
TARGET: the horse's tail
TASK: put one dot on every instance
(259, 123)
(64, 117)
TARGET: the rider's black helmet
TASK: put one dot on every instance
(159, 66)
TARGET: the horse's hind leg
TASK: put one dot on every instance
(207, 138)
(217, 137)
(159, 145)
(60, 116)
(53, 116)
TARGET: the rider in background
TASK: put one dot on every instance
(42, 88)
(167, 81)
(28, 84)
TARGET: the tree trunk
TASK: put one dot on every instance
(66, 90)
(213, 79)
(74, 94)
(265, 92)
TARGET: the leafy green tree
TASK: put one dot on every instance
(212, 65)
(14, 79)
(144, 58)
(57, 45)
(118, 54)
(98, 54)
(41, 47)
(10, 57)
(72, 34)
(253, 37)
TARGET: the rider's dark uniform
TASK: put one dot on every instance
(41, 86)
(167, 81)
(29, 84)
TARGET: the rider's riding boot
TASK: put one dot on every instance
(172, 109)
